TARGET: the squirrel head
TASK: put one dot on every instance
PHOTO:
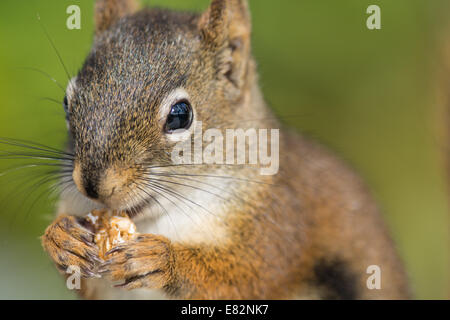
(151, 72)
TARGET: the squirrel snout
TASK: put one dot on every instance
(109, 186)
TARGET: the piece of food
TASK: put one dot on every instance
(111, 229)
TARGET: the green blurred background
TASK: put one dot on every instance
(369, 95)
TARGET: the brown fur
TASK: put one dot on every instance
(310, 231)
(108, 12)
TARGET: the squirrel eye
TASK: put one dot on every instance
(66, 105)
(180, 117)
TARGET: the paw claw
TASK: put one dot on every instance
(102, 271)
(89, 274)
(94, 258)
(115, 250)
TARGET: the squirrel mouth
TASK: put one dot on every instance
(135, 211)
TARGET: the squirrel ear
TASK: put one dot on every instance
(107, 12)
(227, 24)
(226, 20)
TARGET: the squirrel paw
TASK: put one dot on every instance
(69, 243)
(144, 262)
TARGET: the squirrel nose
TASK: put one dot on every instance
(91, 189)
(86, 183)
(108, 186)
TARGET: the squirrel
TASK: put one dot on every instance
(207, 231)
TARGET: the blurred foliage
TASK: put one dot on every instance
(367, 94)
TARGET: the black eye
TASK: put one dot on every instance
(66, 105)
(180, 117)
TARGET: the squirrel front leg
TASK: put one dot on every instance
(183, 271)
(69, 243)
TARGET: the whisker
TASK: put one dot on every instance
(186, 177)
(159, 203)
(67, 186)
(173, 202)
(29, 187)
(25, 153)
(45, 74)
(136, 198)
(55, 187)
(210, 176)
(172, 193)
(192, 187)
(54, 47)
(27, 157)
(40, 195)
(179, 207)
(29, 166)
(178, 176)
(33, 146)
(50, 99)
(166, 189)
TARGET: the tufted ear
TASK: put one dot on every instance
(107, 12)
(227, 23)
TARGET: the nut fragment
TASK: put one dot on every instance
(111, 229)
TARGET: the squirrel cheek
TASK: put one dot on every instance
(114, 186)
(77, 178)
